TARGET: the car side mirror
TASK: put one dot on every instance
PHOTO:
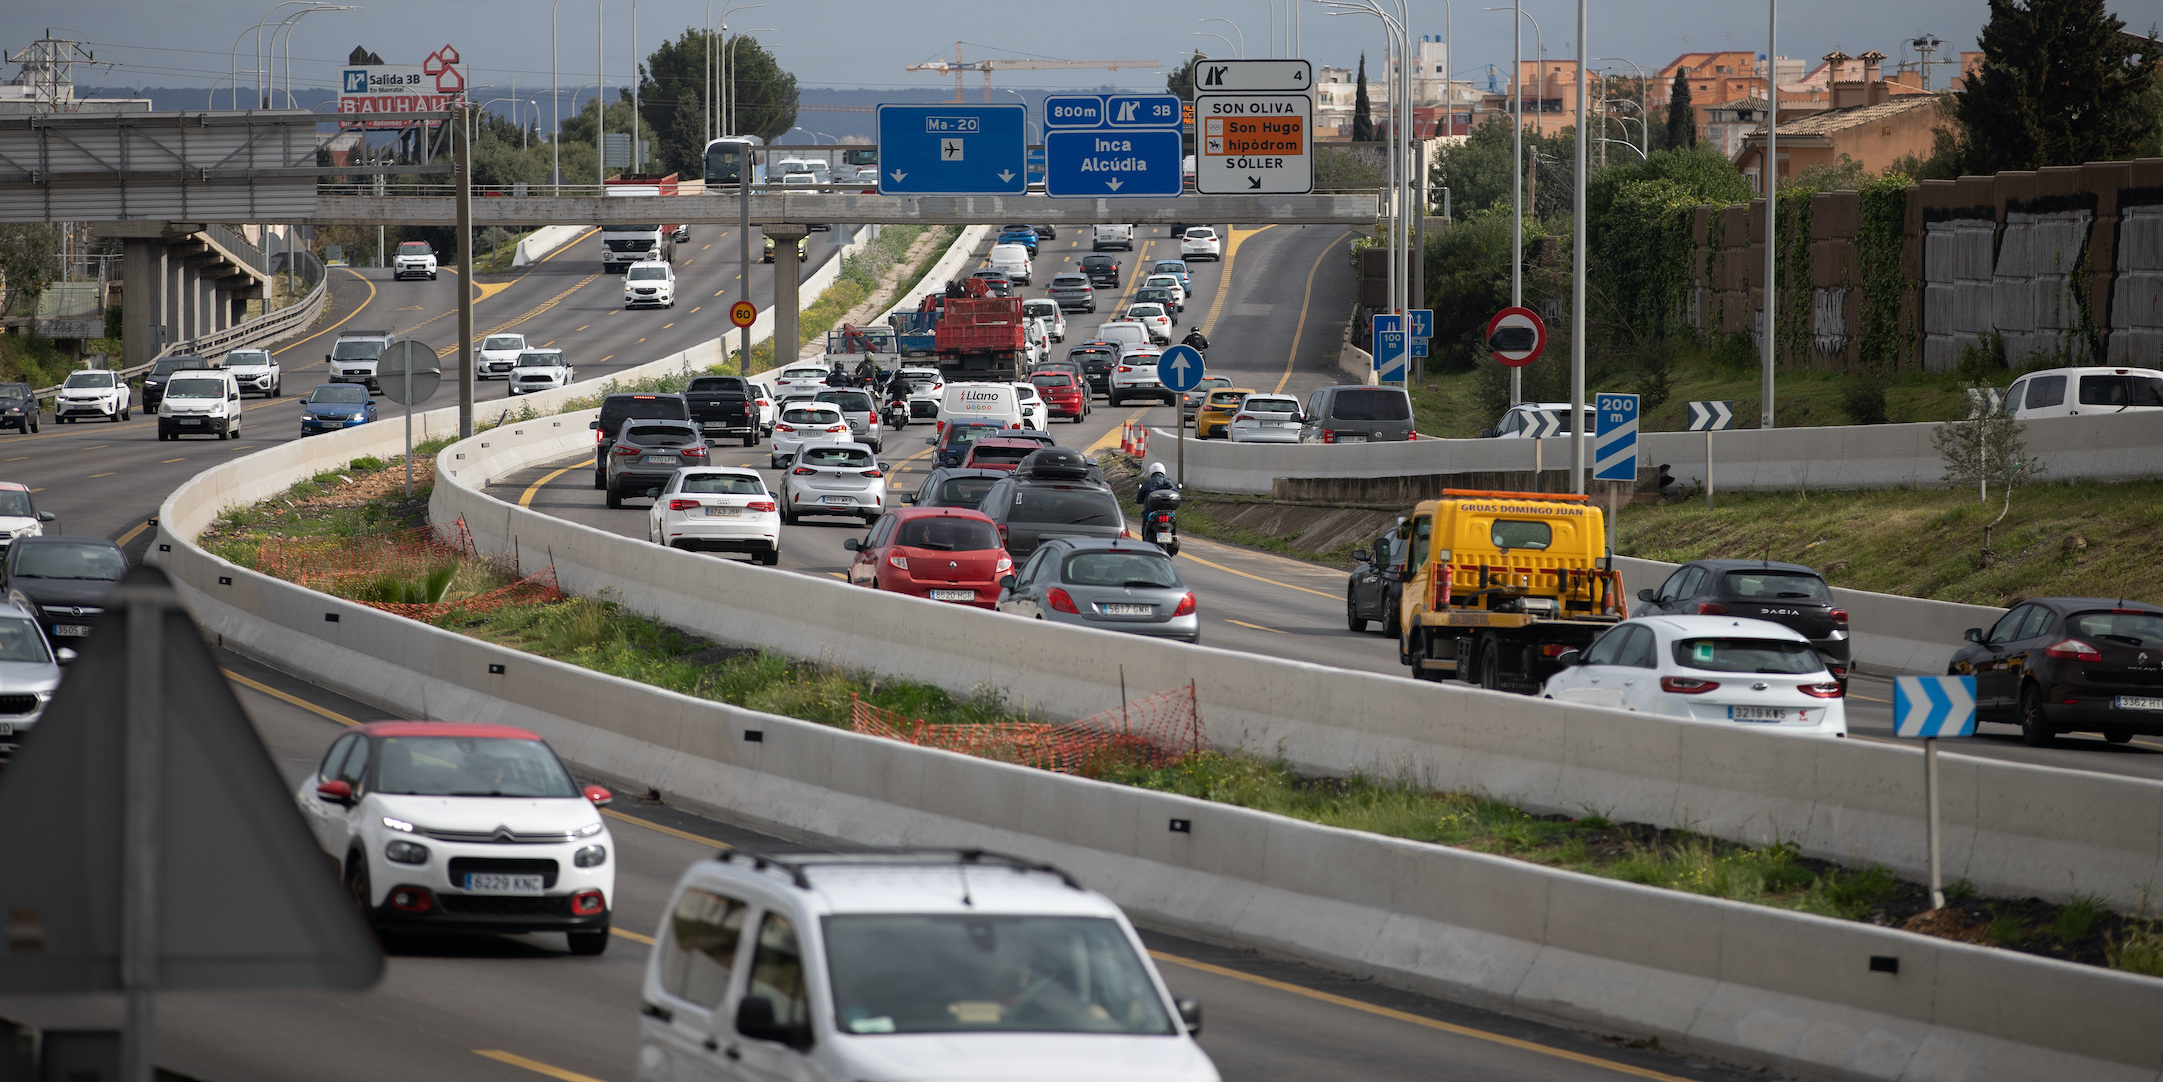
(1359, 555)
(909, 499)
(64, 655)
(851, 544)
(234, 397)
(1569, 657)
(48, 516)
(337, 792)
(1488, 433)
(326, 357)
(1190, 1014)
(1647, 595)
(755, 1019)
(1973, 634)
(595, 425)
(1008, 582)
(599, 796)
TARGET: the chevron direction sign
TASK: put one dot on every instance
(1931, 706)
(1712, 416)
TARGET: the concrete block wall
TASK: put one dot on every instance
(1781, 990)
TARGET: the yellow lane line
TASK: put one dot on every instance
(292, 699)
(132, 534)
(1258, 627)
(632, 936)
(1257, 578)
(348, 316)
(1414, 1019)
(1224, 280)
(534, 489)
(670, 831)
(534, 1065)
(165, 462)
(95, 476)
(1300, 328)
(1110, 439)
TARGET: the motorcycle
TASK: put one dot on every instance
(896, 414)
(1160, 520)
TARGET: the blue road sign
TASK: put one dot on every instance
(1614, 438)
(1389, 346)
(1074, 111)
(1143, 110)
(1422, 322)
(1419, 347)
(1180, 369)
(952, 150)
(1106, 163)
(1928, 706)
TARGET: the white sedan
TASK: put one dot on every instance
(803, 422)
(1266, 418)
(1200, 241)
(1170, 282)
(1716, 670)
(717, 509)
(805, 377)
(835, 478)
(540, 370)
(1153, 316)
(927, 390)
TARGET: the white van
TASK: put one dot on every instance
(1112, 236)
(980, 402)
(2073, 392)
(200, 403)
(1013, 260)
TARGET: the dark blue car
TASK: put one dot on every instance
(1024, 237)
(333, 406)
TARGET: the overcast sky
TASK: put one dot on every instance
(867, 43)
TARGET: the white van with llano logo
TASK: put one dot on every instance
(980, 402)
(2077, 392)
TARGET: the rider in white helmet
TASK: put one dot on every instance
(1155, 481)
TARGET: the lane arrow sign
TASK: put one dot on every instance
(1006, 174)
(899, 176)
(1113, 184)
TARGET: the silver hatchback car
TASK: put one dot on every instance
(1115, 584)
(29, 673)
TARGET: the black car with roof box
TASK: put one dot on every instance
(1051, 496)
(618, 408)
(1791, 595)
(2069, 664)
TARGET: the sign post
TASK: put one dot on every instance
(1179, 369)
(1614, 451)
(408, 373)
(743, 314)
(1709, 417)
(1929, 707)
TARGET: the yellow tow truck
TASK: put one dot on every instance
(1503, 584)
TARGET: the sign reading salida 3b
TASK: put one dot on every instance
(430, 86)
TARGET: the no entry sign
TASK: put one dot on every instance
(1516, 336)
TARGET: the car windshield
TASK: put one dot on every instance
(1748, 655)
(962, 492)
(1070, 281)
(469, 766)
(947, 534)
(1165, 282)
(960, 434)
(1132, 569)
(804, 373)
(349, 393)
(1158, 294)
(660, 436)
(2143, 629)
(810, 417)
(1145, 311)
(648, 274)
(1259, 404)
(252, 358)
(1169, 266)
(15, 503)
(536, 359)
(723, 484)
(14, 390)
(1065, 506)
(195, 388)
(999, 453)
(360, 350)
(985, 973)
(20, 640)
(2117, 390)
(1226, 398)
(1776, 586)
(1372, 404)
(89, 379)
(841, 458)
(847, 401)
(92, 562)
(414, 247)
(616, 411)
(505, 341)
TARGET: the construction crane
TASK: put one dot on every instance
(959, 67)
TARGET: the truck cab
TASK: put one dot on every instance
(1502, 584)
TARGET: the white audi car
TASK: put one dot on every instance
(717, 509)
(451, 827)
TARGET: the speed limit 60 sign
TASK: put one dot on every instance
(1516, 336)
(743, 313)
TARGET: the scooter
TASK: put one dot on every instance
(896, 414)
(1160, 520)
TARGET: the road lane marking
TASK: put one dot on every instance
(1224, 279)
(294, 700)
(632, 936)
(19, 458)
(694, 310)
(668, 830)
(1868, 699)
(534, 1065)
(167, 462)
(95, 476)
(1258, 627)
(669, 324)
(1414, 1019)
(606, 359)
(1300, 328)
(582, 328)
(130, 535)
(1257, 578)
(532, 490)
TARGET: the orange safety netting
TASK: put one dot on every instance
(343, 568)
(1151, 732)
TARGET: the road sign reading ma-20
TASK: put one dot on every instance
(1180, 369)
(952, 149)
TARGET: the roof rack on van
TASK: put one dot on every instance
(355, 332)
(795, 864)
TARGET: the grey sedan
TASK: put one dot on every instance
(1111, 583)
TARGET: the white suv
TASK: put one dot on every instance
(652, 283)
(497, 354)
(904, 964)
(1135, 376)
(256, 370)
(451, 827)
(1199, 241)
(415, 260)
(92, 393)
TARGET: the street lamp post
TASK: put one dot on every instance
(1227, 41)
(1577, 272)
(289, 23)
(1770, 168)
(1644, 90)
(1517, 180)
(1242, 45)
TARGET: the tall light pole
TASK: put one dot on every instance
(1227, 41)
(600, 93)
(289, 24)
(1771, 170)
(1272, 27)
(555, 109)
(728, 57)
(1399, 115)
(1644, 92)
(1517, 180)
(1577, 273)
(1242, 46)
(261, 87)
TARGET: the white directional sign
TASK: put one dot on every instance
(1712, 416)
(1217, 76)
(1254, 144)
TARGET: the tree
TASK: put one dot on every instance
(2061, 83)
(1681, 116)
(29, 258)
(762, 95)
(1362, 111)
(1180, 80)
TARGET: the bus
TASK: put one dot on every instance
(859, 156)
(727, 159)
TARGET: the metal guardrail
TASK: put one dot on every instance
(236, 243)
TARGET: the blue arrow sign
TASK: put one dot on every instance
(1614, 438)
(1143, 110)
(1389, 346)
(1422, 322)
(1074, 111)
(1419, 347)
(1925, 706)
(1106, 164)
(952, 150)
(1180, 369)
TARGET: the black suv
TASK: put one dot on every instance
(161, 373)
(1097, 359)
(1102, 270)
(1377, 583)
(2069, 664)
(18, 407)
(618, 408)
(1790, 595)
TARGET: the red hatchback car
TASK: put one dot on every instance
(940, 553)
(999, 453)
(1062, 394)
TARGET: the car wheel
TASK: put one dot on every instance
(33, 426)
(600, 479)
(750, 440)
(356, 883)
(1491, 664)
(770, 558)
(615, 499)
(223, 434)
(589, 942)
(1390, 618)
(2118, 736)
(1353, 621)
(2035, 728)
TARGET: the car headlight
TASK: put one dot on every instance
(44, 696)
(405, 852)
(587, 831)
(398, 824)
(592, 856)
